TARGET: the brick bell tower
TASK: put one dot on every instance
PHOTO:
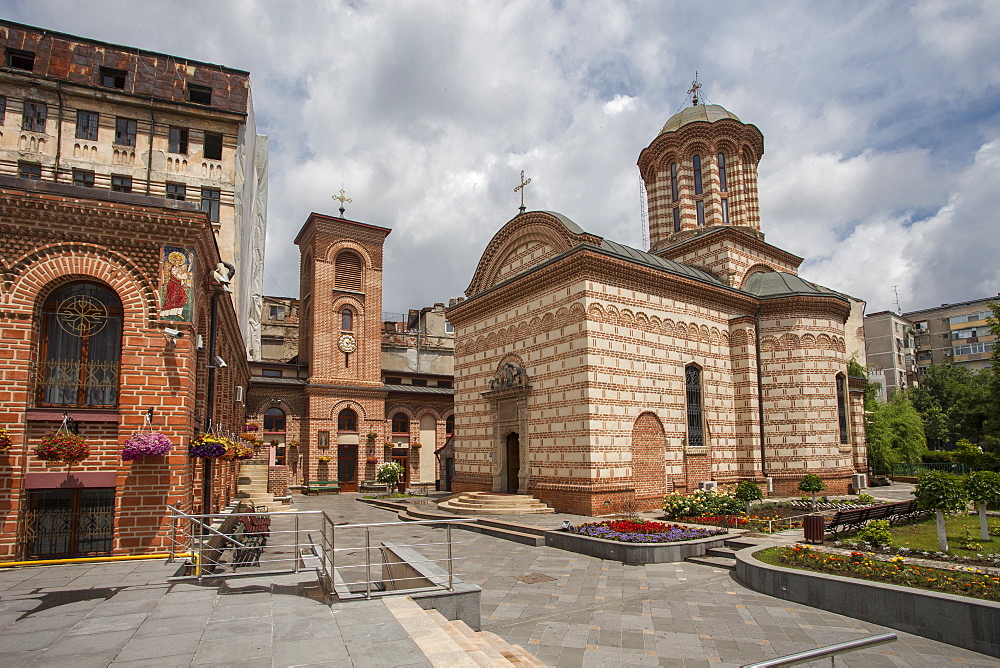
(340, 284)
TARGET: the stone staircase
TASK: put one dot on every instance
(453, 643)
(251, 486)
(491, 503)
(725, 556)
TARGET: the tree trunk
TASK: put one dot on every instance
(942, 536)
(983, 526)
(813, 508)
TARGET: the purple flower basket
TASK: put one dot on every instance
(141, 445)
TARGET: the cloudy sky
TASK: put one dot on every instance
(881, 122)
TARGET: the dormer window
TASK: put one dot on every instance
(112, 78)
(20, 60)
(199, 94)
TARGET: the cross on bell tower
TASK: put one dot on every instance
(342, 199)
(695, 88)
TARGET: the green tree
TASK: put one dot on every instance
(940, 492)
(812, 483)
(951, 399)
(991, 426)
(983, 488)
(748, 492)
(896, 432)
(389, 473)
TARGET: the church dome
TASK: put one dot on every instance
(702, 112)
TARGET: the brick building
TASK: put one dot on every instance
(108, 310)
(114, 118)
(343, 386)
(598, 377)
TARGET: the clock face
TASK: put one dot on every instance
(347, 343)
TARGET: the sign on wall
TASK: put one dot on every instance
(176, 283)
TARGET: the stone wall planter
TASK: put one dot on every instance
(957, 620)
(634, 553)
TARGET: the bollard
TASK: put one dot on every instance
(451, 564)
(298, 553)
(368, 562)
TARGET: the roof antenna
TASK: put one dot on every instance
(895, 291)
(695, 87)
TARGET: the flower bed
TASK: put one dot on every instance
(894, 571)
(755, 523)
(630, 531)
(992, 560)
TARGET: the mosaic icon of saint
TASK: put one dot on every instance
(179, 281)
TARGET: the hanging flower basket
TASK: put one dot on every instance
(324, 459)
(251, 427)
(208, 446)
(236, 452)
(415, 445)
(5, 440)
(62, 446)
(145, 444)
(372, 460)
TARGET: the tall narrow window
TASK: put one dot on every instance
(673, 182)
(274, 430)
(86, 125)
(178, 141)
(347, 320)
(210, 200)
(33, 117)
(347, 420)
(725, 210)
(722, 172)
(842, 409)
(697, 175)
(692, 387)
(213, 146)
(347, 270)
(81, 343)
(677, 219)
(125, 131)
(3, 109)
(700, 207)
(449, 425)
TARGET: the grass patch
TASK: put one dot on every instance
(922, 535)
(394, 495)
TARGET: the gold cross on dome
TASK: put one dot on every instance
(521, 188)
(342, 199)
(695, 87)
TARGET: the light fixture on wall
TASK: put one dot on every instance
(219, 362)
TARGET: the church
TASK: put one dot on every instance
(598, 377)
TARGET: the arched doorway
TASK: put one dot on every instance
(512, 462)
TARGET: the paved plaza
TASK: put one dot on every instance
(573, 611)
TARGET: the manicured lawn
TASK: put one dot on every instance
(923, 535)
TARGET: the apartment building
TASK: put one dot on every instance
(81, 112)
(889, 345)
(957, 332)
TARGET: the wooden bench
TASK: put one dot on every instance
(372, 486)
(321, 487)
(854, 519)
(221, 541)
(252, 531)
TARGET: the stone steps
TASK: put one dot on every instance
(725, 556)
(453, 643)
(487, 503)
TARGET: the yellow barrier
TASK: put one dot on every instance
(81, 560)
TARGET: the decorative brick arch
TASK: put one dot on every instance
(347, 403)
(330, 252)
(648, 469)
(755, 269)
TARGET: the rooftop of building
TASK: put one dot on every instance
(707, 113)
(971, 302)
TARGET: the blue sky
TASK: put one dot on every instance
(881, 122)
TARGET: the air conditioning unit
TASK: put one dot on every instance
(708, 485)
(859, 481)
(238, 394)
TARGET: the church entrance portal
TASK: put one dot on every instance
(513, 462)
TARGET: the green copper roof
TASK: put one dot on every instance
(656, 262)
(779, 284)
(703, 112)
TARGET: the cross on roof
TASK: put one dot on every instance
(521, 188)
(695, 87)
(342, 199)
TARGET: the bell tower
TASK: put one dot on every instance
(701, 173)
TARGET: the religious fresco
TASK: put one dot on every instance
(176, 283)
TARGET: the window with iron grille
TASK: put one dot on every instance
(125, 131)
(86, 125)
(210, 200)
(178, 140)
(112, 78)
(83, 178)
(213, 146)
(692, 388)
(121, 184)
(199, 94)
(177, 191)
(20, 60)
(33, 118)
(29, 170)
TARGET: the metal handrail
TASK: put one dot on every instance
(822, 652)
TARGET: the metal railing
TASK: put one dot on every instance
(831, 651)
(280, 542)
(914, 469)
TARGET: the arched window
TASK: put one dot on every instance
(400, 424)
(725, 210)
(673, 182)
(347, 420)
(347, 271)
(700, 208)
(842, 409)
(81, 345)
(274, 420)
(692, 388)
(677, 219)
(697, 174)
(722, 172)
(347, 320)
(449, 425)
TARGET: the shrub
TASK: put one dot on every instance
(700, 503)
(812, 483)
(389, 473)
(748, 491)
(866, 499)
(876, 532)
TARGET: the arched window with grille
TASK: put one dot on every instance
(400, 424)
(81, 345)
(693, 394)
(347, 271)
(347, 420)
